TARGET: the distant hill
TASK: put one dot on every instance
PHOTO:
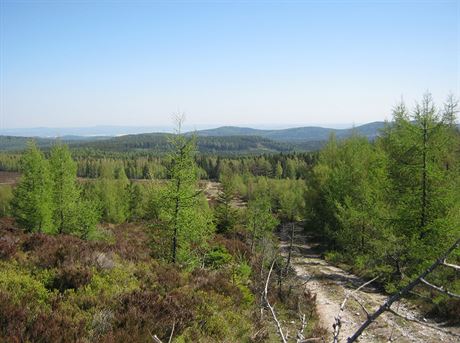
(222, 140)
(12, 143)
(297, 134)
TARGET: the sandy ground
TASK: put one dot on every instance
(331, 284)
(211, 189)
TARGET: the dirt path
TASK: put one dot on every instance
(331, 284)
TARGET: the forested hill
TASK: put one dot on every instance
(228, 140)
(224, 140)
(297, 134)
(160, 142)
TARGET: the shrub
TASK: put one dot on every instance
(71, 277)
(8, 246)
(217, 258)
(21, 286)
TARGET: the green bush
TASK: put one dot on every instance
(217, 258)
(22, 286)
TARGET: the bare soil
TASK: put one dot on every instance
(8, 178)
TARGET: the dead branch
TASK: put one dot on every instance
(360, 304)
(272, 309)
(454, 266)
(172, 332)
(415, 320)
(303, 324)
(395, 297)
(440, 289)
(155, 338)
(338, 319)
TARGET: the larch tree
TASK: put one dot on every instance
(226, 215)
(188, 216)
(422, 147)
(65, 190)
(260, 219)
(32, 202)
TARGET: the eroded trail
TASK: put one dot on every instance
(331, 284)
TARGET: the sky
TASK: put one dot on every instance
(251, 63)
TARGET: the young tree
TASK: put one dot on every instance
(260, 218)
(225, 213)
(135, 203)
(113, 193)
(32, 203)
(65, 191)
(189, 221)
(88, 215)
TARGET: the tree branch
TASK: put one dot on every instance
(454, 266)
(272, 309)
(422, 323)
(360, 304)
(338, 319)
(440, 289)
(303, 324)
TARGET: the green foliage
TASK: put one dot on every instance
(225, 213)
(422, 147)
(111, 283)
(260, 220)
(65, 191)
(32, 203)
(88, 216)
(390, 208)
(217, 257)
(21, 285)
(186, 212)
(112, 191)
(6, 196)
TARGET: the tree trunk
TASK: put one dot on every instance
(424, 181)
(176, 215)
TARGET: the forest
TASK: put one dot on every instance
(107, 242)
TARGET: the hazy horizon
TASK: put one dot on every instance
(75, 64)
(120, 130)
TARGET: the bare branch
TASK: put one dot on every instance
(303, 324)
(454, 266)
(172, 332)
(155, 338)
(272, 309)
(440, 289)
(338, 319)
(422, 323)
(360, 304)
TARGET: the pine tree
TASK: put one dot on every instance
(32, 203)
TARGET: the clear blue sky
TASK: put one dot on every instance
(83, 63)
